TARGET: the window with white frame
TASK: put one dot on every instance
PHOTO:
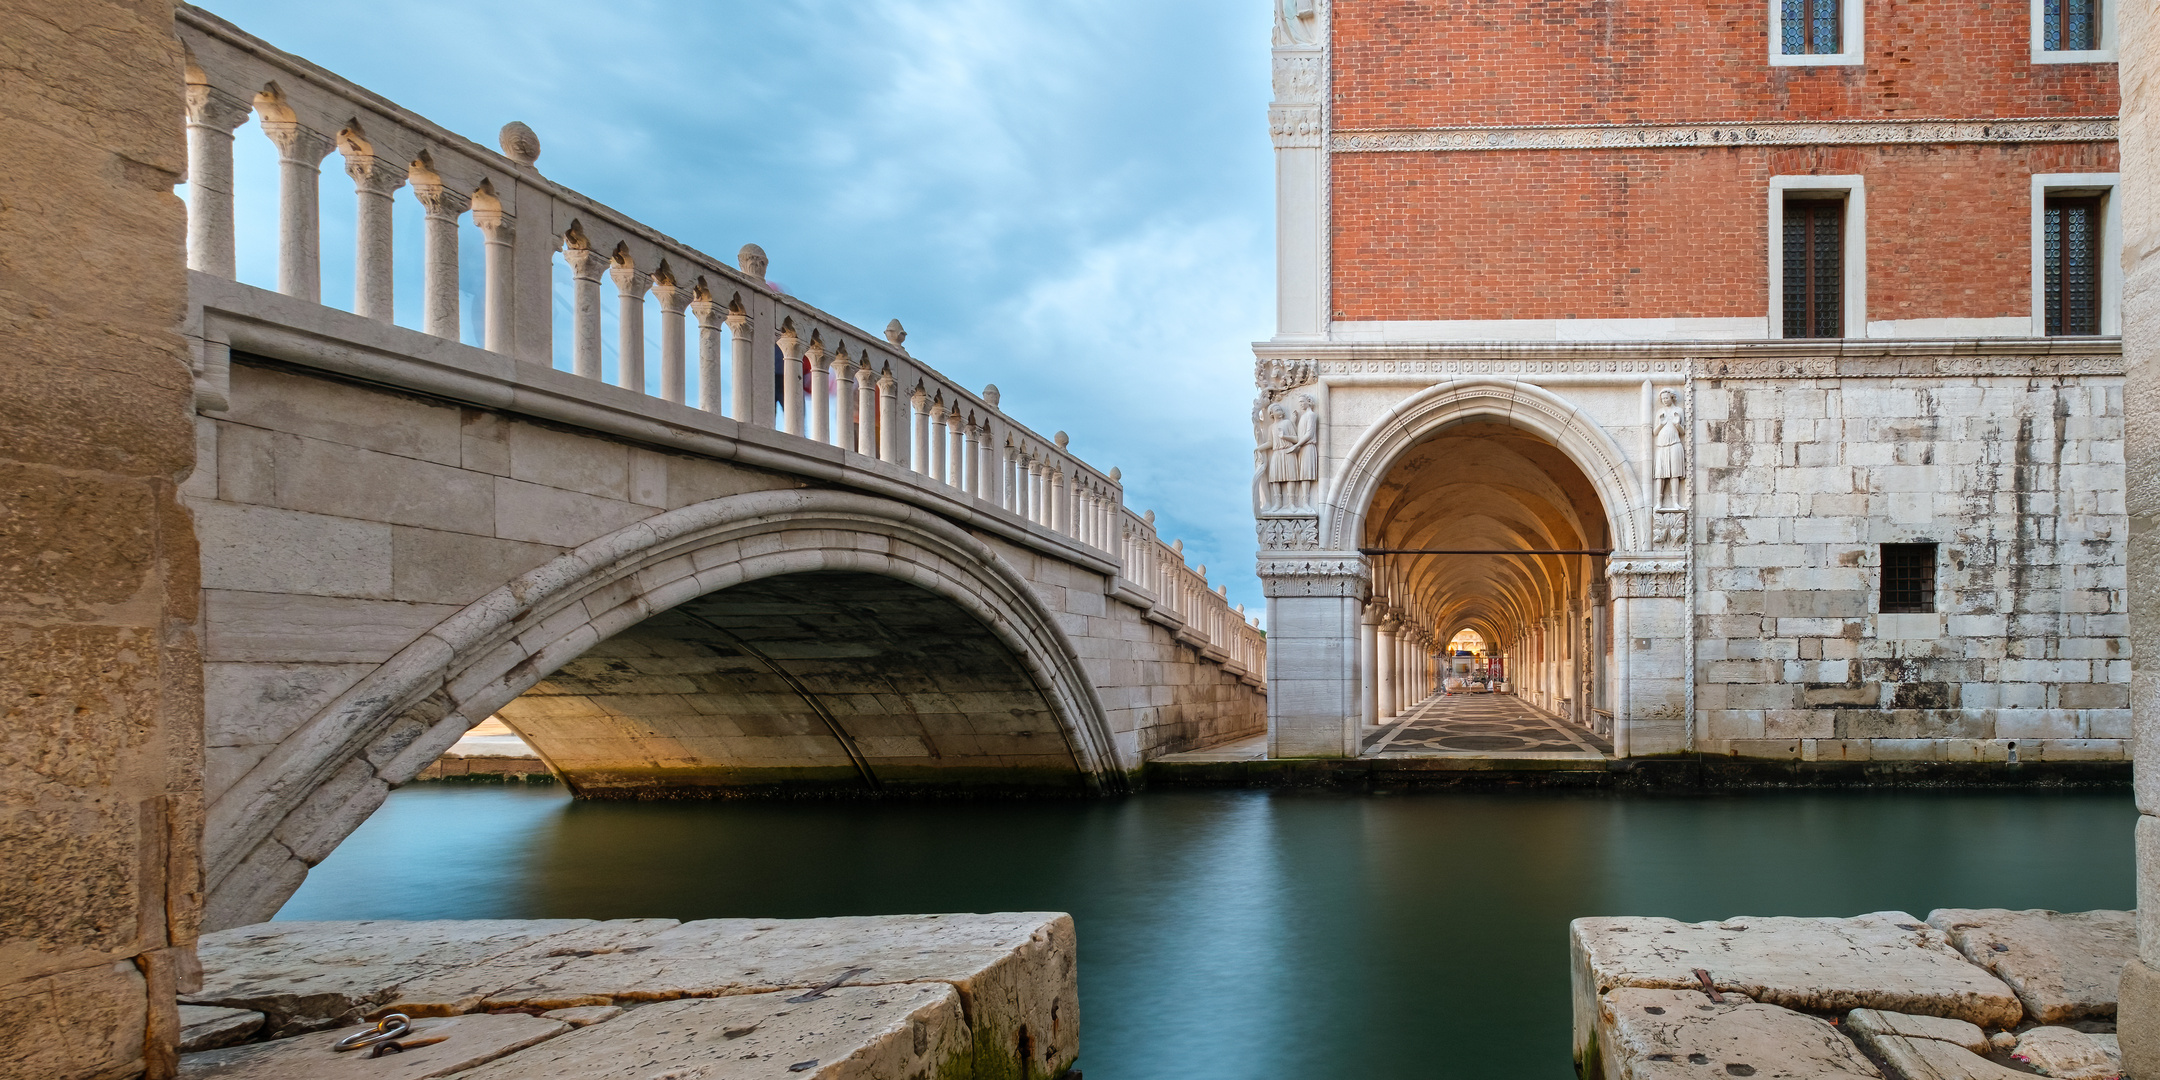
(1806, 32)
(2077, 255)
(2073, 31)
(1818, 257)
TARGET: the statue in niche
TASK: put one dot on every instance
(1294, 454)
(1308, 449)
(1671, 447)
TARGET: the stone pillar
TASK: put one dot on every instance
(439, 264)
(955, 449)
(2138, 1014)
(742, 373)
(1295, 121)
(103, 678)
(630, 286)
(1389, 659)
(791, 380)
(712, 369)
(936, 440)
(919, 402)
(375, 184)
(674, 385)
(499, 303)
(300, 154)
(821, 425)
(1313, 603)
(866, 409)
(212, 116)
(1650, 602)
(892, 421)
(586, 266)
(1600, 633)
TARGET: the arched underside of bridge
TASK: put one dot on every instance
(1485, 485)
(827, 681)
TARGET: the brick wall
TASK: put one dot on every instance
(2020, 482)
(1417, 63)
(1525, 234)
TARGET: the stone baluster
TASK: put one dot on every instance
(631, 285)
(938, 457)
(892, 425)
(300, 154)
(791, 380)
(375, 183)
(212, 117)
(1008, 477)
(919, 401)
(866, 408)
(744, 382)
(955, 450)
(586, 266)
(820, 390)
(499, 232)
(1036, 506)
(971, 455)
(712, 367)
(439, 278)
(986, 454)
(674, 383)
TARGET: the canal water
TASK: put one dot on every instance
(1252, 935)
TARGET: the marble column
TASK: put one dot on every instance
(1314, 600)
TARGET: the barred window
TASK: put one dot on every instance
(2069, 25)
(2070, 246)
(1908, 578)
(1811, 26)
(1814, 272)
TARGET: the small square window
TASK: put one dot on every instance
(2069, 25)
(1908, 578)
(1811, 27)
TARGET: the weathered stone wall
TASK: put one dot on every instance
(100, 808)
(2020, 482)
(342, 523)
(2139, 1014)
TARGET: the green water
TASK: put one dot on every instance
(1254, 935)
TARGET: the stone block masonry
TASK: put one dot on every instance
(100, 685)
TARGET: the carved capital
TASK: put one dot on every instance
(585, 263)
(210, 107)
(1347, 576)
(630, 280)
(1297, 77)
(372, 173)
(1290, 534)
(497, 227)
(441, 200)
(1664, 578)
(299, 144)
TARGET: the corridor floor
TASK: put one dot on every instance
(1484, 726)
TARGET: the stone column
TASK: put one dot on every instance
(673, 299)
(1313, 603)
(499, 231)
(300, 154)
(630, 286)
(971, 451)
(712, 369)
(891, 422)
(1649, 714)
(375, 184)
(439, 277)
(2138, 1015)
(212, 116)
(955, 448)
(1368, 666)
(866, 409)
(1389, 659)
(821, 425)
(936, 437)
(1600, 633)
(919, 402)
(791, 380)
(742, 380)
(586, 266)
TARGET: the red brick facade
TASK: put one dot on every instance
(1679, 233)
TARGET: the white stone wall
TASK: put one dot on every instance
(2019, 480)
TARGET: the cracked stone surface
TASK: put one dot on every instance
(207, 1027)
(908, 1031)
(2069, 1054)
(467, 1042)
(1867, 1022)
(2064, 966)
(1658, 1034)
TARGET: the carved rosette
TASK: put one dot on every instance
(1660, 578)
(1290, 534)
(1347, 577)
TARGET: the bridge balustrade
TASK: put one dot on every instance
(864, 393)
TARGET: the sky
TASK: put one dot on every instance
(1068, 198)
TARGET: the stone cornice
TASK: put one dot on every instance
(1423, 361)
(1688, 135)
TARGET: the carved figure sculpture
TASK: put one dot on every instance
(1282, 452)
(1263, 492)
(1671, 445)
(1308, 449)
(1297, 22)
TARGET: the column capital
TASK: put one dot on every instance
(440, 199)
(1317, 574)
(673, 297)
(630, 280)
(585, 263)
(295, 143)
(819, 359)
(210, 107)
(1648, 577)
(790, 342)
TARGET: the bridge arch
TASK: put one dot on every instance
(290, 810)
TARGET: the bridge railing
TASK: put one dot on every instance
(843, 386)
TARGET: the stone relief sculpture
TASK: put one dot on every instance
(1286, 439)
(1671, 446)
(1297, 22)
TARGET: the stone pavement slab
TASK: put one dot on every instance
(1933, 1059)
(1659, 1034)
(1887, 960)
(207, 1027)
(2063, 966)
(2069, 1054)
(909, 1031)
(1861, 1022)
(305, 976)
(467, 1042)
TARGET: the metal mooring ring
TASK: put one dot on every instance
(393, 1026)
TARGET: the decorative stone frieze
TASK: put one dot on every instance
(1347, 576)
(1294, 126)
(1648, 577)
(1291, 534)
(1768, 133)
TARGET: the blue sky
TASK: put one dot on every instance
(1070, 199)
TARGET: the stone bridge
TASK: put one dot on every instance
(863, 578)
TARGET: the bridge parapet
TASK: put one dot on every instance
(860, 394)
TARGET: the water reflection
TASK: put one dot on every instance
(1249, 935)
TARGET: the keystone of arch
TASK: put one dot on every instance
(334, 769)
(1523, 405)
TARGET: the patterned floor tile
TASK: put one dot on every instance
(1483, 725)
